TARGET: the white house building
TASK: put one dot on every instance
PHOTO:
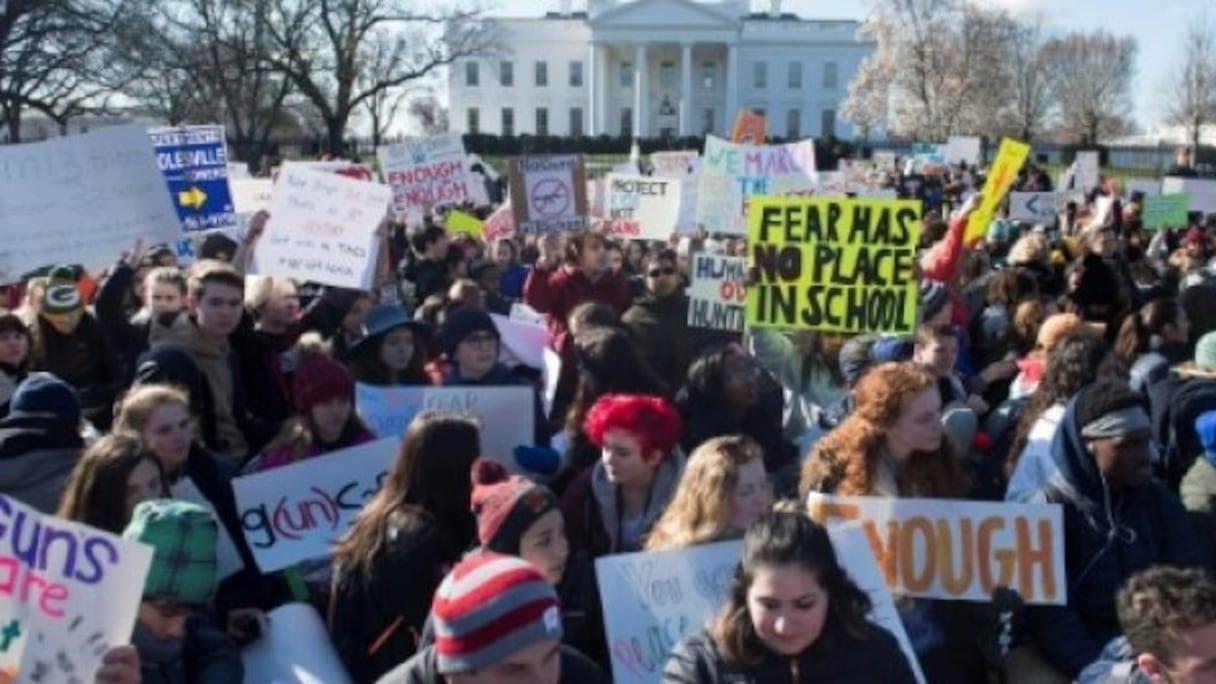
(650, 68)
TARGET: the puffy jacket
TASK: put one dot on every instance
(556, 292)
(37, 453)
(1109, 535)
(423, 668)
(835, 657)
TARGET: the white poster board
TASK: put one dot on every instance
(295, 648)
(684, 166)
(426, 172)
(322, 228)
(958, 550)
(642, 207)
(960, 148)
(733, 172)
(1201, 190)
(716, 293)
(525, 341)
(1033, 207)
(1088, 175)
(81, 199)
(295, 513)
(659, 598)
(507, 414)
(251, 195)
(71, 593)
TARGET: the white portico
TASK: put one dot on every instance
(660, 68)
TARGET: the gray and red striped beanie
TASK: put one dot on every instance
(487, 608)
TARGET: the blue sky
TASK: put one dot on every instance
(1157, 25)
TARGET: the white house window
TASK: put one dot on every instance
(709, 73)
(795, 80)
(759, 74)
(473, 120)
(576, 121)
(472, 75)
(506, 74)
(667, 75)
(626, 122)
(508, 121)
(830, 76)
(542, 121)
(626, 79)
(707, 120)
(576, 74)
(827, 123)
(793, 124)
(542, 74)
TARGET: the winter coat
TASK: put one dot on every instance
(207, 656)
(37, 453)
(430, 277)
(511, 283)
(86, 361)
(267, 364)
(128, 334)
(836, 657)
(1036, 463)
(352, 436)
(556, 292)
(377, 608)
(1154, 365)
(660, 327)
(1117, 665)
(809, 386)
(423, 668)
(1109, 535)
(593, 521)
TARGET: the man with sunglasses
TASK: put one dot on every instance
(659, 320)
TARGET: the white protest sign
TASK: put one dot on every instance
(251, 195)
(506, 413)
(660, 597)
(1202, 191)
(69, 593)
(523, 312)
(733, 172)
(296, 513)
(716, 293)
(954, 549)
(425, 172)
(1088, 175)
(684, 166)
(523, 340)
(295, 648)
(339, 167)
(1148, 186)
(1035, 207)
(322, 228)
(81, 199)
(962, 149)
(884, 160)
(642, 207)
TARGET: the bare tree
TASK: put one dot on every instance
(429, 114)
(1031, 80)
(323, 46)
(1191, 92)
(867, 104)
(1093, 80)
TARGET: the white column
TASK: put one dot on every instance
(686, 89)
(593, 85)
(732, 87)
(641, 92)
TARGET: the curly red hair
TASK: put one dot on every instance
(844, 461)
(652, 420)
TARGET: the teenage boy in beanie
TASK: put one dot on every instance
(174, 637)
(40, 441)
(496, 621)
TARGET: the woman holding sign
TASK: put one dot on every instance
(894, 445)
(793, 615)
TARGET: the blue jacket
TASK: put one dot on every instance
(1116, 665)
(1109, 535)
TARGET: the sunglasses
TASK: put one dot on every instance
(665, 271)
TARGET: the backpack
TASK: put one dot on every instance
(1194, 397)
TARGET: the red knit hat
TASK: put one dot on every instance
(319, 379)
(506, 505)
(489, 607)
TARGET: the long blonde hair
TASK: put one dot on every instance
(700, 511)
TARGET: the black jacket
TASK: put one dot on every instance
(423, 668)
(660, 327)
(37, 453)
(86, 361)
(128, 335)
(835, 657)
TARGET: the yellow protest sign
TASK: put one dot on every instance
(465, 224)
(1004, 171)
(833, 264)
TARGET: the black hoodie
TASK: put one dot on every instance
(37, 453)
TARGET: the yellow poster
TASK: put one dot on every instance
(833, 264)
(1004, 172)
(464, 224)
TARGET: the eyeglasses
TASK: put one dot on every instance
(665, 271)
(480, 339)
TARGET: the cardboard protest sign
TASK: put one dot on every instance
(1009, 159)
(322, 228)
(1165, 211)
(1035, 207)
(959, 148)
(731, 173)
(194, 160)
(506, 413)
(716, 293)
(642, 207)
(295, 513)
(685, 166)
(463, 224)
(1202, 191)
(834, 264)
(548, 193)
(955, 549)
(658, 598)
(69, 593)
(251, 195)
(1088, 176)
(425, 172)
(81, 199)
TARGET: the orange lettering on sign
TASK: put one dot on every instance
(1029, 557)
(947, 556)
